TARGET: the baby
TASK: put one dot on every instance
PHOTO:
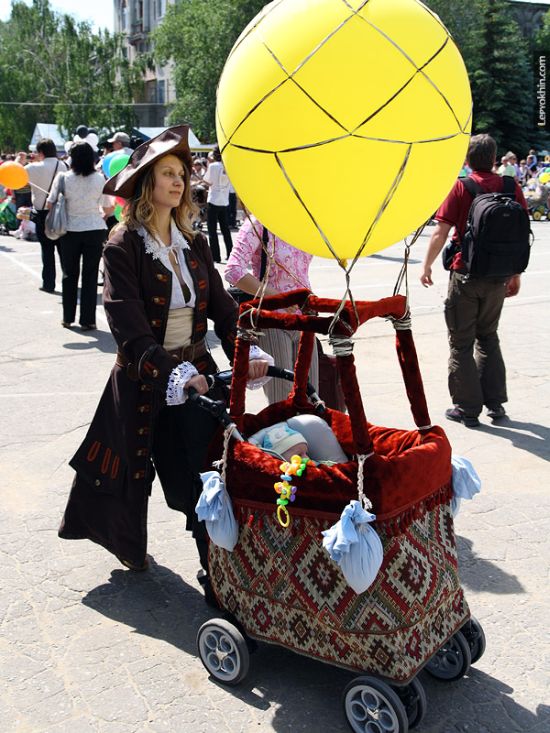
(307, 436)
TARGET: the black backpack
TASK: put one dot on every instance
(497, 241)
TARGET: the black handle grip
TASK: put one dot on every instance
(272, 371)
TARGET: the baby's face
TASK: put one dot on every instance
(300, 449)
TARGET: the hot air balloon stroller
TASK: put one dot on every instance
(279, 584)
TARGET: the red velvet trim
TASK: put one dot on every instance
(240, 377)
(301, 371)
(354, 403)
(385, 307)
(409, 468)
(408, 361)
(251, 513)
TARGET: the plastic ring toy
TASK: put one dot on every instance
(283, 516)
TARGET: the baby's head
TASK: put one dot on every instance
(285, 441)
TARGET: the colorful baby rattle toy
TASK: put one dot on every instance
(284, 488)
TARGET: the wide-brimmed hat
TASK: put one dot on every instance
(172, 141)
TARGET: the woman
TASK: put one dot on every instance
(217, 211)
(287, 269)
(160, 287)
(86, 233)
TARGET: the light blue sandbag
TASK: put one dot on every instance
(466, 482)
(214, 508)
(355, 546)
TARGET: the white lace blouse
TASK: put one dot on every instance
(180, 375)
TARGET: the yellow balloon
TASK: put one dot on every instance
(544, 177)
(343, 125)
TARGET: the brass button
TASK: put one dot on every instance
(159, 276)
(97, 482)
(137, 475)
(155, 372)
(156, 300)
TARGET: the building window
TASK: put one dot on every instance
(124, 15)
(161, 91)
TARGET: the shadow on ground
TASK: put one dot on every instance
(479, 574)
(304, 694)
(527, 436)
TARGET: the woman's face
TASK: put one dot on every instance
(169, 186)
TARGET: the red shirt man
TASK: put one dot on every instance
(454, 210)
(477, 375)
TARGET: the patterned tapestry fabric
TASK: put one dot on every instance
(282, 586)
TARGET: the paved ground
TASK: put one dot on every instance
(88, 647)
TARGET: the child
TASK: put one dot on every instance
(303, 435)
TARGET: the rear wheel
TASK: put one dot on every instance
(452, 661)
(475, 636)
(414, 700)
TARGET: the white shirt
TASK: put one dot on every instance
(84, 196)
(218, 192)
(42, 174)
(159, 251)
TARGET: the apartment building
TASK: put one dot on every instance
(136, 19)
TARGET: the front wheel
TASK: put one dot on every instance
(372, 706)
(223, 651)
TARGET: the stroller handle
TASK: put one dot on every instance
(279, 373)
(218, 408)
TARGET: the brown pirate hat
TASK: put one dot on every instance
(171, 141)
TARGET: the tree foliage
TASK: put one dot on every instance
(198, 35)
(503, 84)
(497, 58)
(73, 75)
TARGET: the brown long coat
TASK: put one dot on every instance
(114, 472)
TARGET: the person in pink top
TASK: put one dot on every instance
(287, 268)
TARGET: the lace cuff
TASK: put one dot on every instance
(175, 392)
(257, 353)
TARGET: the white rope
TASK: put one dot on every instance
(222, 463)
(365, 501)
(341, 345)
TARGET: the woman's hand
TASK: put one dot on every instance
(257, 369)
(199, 383)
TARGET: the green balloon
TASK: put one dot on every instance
(118, 163)
(118, 212)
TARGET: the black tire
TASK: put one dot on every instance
(223, 651)
(372, 706)
(452, 661)
(475, 636)
(414, 700)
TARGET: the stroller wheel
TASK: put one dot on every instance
(413, 698)
(372, 706)
(452, 661)
(223, 651)
(475, 637)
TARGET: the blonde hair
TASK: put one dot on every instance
(140, 209)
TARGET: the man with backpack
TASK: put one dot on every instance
(488, 251)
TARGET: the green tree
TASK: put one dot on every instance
(198, 35)
(502, 83)
(70, 75)
(465, 23)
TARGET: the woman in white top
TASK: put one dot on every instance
(218, 205)
(86, 233)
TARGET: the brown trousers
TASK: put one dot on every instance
(477, 375)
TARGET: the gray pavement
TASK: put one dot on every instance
(87, 647)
